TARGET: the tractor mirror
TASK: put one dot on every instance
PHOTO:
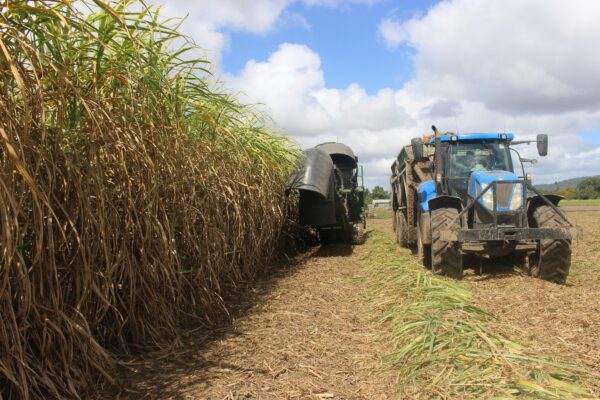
(542, 144)
(417, 148)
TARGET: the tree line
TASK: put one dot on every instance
(377, 193)
(589, 188)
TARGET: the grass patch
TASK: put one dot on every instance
(441, 345)
(592, 202)
(583, 266)
(383, 213)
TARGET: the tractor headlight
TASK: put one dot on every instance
(517, 197)
(488, 197)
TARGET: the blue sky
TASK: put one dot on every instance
(592, 137)
(375, 73)
(347, 40)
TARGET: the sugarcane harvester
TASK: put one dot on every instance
(331, 199)
(458, 200)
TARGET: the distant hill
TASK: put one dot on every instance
(567, 183)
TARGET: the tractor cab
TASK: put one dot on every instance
(472, 159)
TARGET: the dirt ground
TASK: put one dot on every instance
(551, 319)
(562, 319)
(305, 333)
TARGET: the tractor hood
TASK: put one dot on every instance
(509, 196)
(488, 177)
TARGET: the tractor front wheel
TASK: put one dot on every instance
(446, 257)
(552, 259)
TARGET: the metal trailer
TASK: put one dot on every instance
(458, 200)
(331, 198)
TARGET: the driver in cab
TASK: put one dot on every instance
(472, 162)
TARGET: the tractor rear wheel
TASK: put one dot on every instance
(401, 229)
(446, 257)
(552, 259)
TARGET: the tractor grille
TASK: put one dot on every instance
(503, 191)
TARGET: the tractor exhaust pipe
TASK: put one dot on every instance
(439, 168)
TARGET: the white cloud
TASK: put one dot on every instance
(291, 84)
(514, 56)
(527, 67)
(392, 32)
(285, 83)
(291, 20)
(208, 21)
(257, 16)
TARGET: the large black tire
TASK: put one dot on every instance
(446, 257)
(552, 259)
(423, 250)
(401, 229)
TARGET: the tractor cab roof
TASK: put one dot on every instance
(450, 137)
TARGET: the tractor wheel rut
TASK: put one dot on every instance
(306, 333)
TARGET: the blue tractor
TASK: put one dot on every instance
(458, 199)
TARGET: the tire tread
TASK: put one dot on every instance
(446, 257)
(552, 261)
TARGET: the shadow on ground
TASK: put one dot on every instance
(490, 269)
(334, 250)
(206, 359)
(164, 374)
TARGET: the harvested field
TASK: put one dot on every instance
(581, 203)
(306, 332)
(581, 209)
(562, 319)
(549, 319)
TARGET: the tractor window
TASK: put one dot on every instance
(483, 155)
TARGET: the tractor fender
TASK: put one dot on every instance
(445, 202)
(536, 201)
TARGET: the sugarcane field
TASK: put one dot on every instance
(299, 199)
